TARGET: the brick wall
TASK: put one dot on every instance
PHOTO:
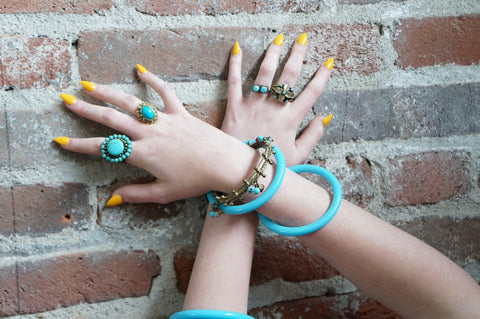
(405, 95)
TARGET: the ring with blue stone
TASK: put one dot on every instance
(257, 88)
(283, 93)
(147, 113)
(116, 148)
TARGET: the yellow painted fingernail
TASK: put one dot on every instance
(329, 64)
(303, 39)
(278, 40)
(141, 69)
(236, 48)
(89, 86)
(327, 119)
(69, 99)
(114, 201)
(62, 140)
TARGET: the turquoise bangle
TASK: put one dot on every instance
(264, 197)
(209, 314)
(322, 221)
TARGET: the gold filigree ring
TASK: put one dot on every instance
(283, 93)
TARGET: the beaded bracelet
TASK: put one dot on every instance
(322, 221)
(209, 314)
(224, 203)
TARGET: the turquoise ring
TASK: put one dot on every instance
(147, 113)
(116, 148)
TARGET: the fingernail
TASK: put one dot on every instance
(62, 140)
(236, 48)
(327, 119)
(329, 64)
(69, 99)
(115, 200)
(278, 40)
(89, 86)
(303, 39)
(141, 69)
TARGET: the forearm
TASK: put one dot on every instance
(388, 264)
(221, 274)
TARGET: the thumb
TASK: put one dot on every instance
(309, 138)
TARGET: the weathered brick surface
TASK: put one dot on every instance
(31, 141)
(9, 291)
(138, 216)
(41, 209)
(85, 277)
(457, 238)
(186, 54)
(347, 306)
(355, 176)
(439, 40)
(212, 7)
(434, 111)
(62, 6)
(7, 218)
(34, 62)
(211, 112)
(183, 262)
(365, 1)
(4, 154)
(286, 258)
(425, 178)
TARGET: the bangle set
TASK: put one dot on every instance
(209, 314)
(224, 203)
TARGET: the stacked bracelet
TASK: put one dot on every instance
(322, 221)
(225, 203)
(209, 314)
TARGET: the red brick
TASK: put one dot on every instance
(41, 209)
(355, 47)
(138, 216)
(35, 62)
(63, 6)
(211, 112)
(437, 41)
(347, 306)
(183, 262)
(212, 7)
(425, 178)
(356, 178)
(286, 258)
(457, 238)
(9, 291)
(7, 217)
(192, 54)
(85, 277)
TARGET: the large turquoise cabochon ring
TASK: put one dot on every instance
(147, 113)
(116, 148)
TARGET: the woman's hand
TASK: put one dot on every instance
(187, 156)
(262, 114)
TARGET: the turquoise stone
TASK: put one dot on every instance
(115, 147)
(148, 113)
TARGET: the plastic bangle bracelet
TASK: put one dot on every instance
(209, 314)
(322, 221)
(264, 197)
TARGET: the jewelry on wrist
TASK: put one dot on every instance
(224, 203)
(322, 221)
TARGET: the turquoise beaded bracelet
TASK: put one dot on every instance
(209, 314)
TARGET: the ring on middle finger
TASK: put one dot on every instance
(283, 93)
(147, 113)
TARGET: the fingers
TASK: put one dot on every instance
(308, 139)
(269, 64)
(137, 193)
(103, 115)
(235, 93)
(314, 88)
(170, 99)
(294, 64)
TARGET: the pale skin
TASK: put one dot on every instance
(400, 271)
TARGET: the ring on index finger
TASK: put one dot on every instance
(147, 113)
